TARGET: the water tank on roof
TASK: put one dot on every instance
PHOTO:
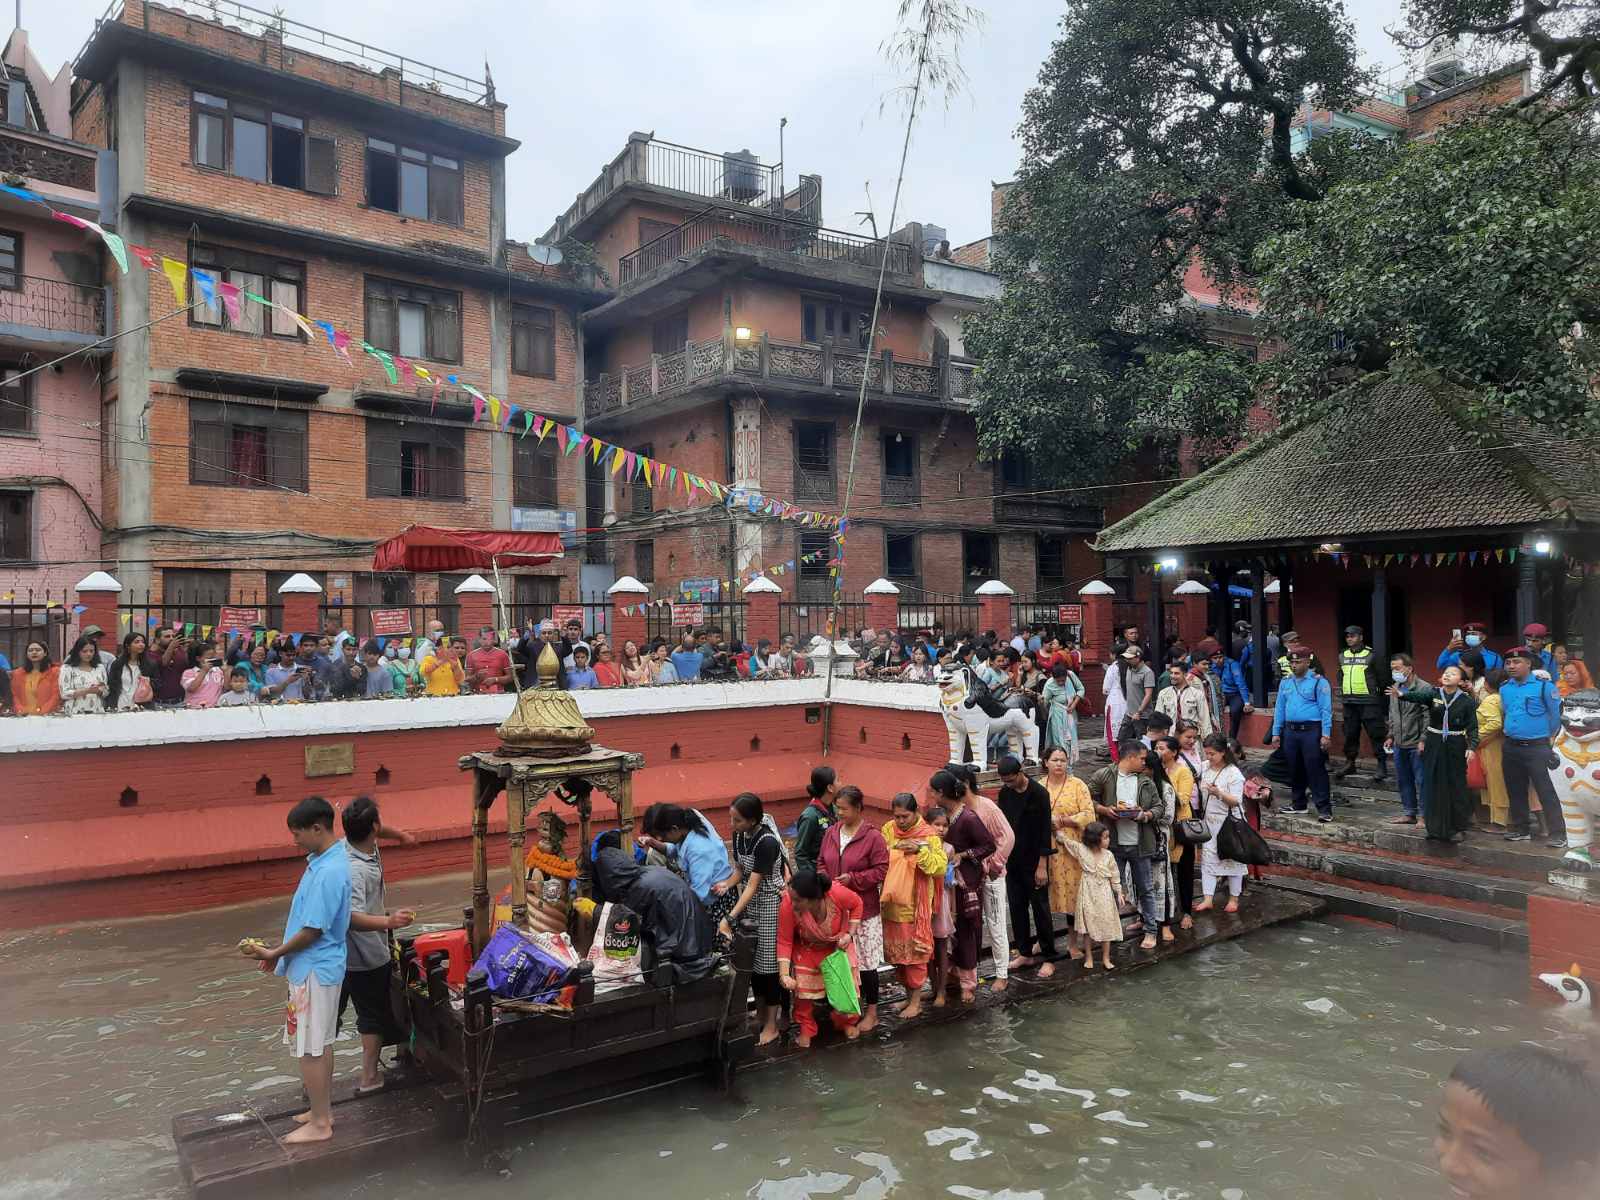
(932, 235)
(741, 175)
(1443, 61)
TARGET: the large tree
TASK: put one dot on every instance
(1563, 37)
(1157, 140)
(1476, 255)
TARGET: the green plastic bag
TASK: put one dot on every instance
(840, 983)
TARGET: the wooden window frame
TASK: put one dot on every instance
(221, 260)
(17, 272)
(30, 550)
(232, 415)
(378, 429)
(23, 394)
(437, 167)
(833, 460)
(225, 110)
(520, 316)
(1038, 558)
(535, 489)
(200, 596)
(915, 578)
(382, 290)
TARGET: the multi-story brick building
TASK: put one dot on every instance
(53, 301)
(735, 347)
(357, 188)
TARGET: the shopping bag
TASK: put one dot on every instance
(1477, 781)
(1239, 843)
(840, 983)
(899, 897)
(519, 968)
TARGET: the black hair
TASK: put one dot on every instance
(1171, 743)
(1495, 677)
(1094, 834)
(748, 805)
(967, 773)
(1058, 671)
(370, 646)
(659, 818)
(1472, 659)
(1401, 656)
(1217, 742)
(1130, 747)
(1009, 764)
(851, 795)
(239, 673)
(904, 801)
(947, 785)
(1159, 720)
(822, 778)
(1552, 1102)
(611, 839)
(76, 652)
(310, 812)
(934, 812)
(810, 885)
(43, 664)
(127, 643)
(360, 818)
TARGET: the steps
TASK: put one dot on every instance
(1412, 913)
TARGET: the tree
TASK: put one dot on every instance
(1157, 141)
(1564, 36)
(1475, 255)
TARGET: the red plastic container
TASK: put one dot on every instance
(454, 943)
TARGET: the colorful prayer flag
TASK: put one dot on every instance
(178, 276)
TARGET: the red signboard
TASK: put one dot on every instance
(1070, 614)
(240, 620)
(688, 614)
(390, 622)
(562, 613)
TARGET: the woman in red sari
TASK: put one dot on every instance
(816, 918)
(912, 887)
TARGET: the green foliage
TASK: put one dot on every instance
(580, 261)
(1475, 255)
(1144, 152)
(1563, 37)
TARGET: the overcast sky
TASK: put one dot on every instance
(714, 74)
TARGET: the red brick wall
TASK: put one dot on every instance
(1427, 117)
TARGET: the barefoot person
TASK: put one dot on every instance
(856, 855)
(912, 887)
(968, 843)
(311, 958)
(816, 918)
(370, 952)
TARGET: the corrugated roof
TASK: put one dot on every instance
(1395, 457)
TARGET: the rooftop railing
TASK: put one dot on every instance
(52, 304)
(720, 228)
(48, 159)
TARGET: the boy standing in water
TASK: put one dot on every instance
(1519, 1122)
(311, 958)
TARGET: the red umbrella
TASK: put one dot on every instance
(425, 548)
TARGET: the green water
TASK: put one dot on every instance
(1300, 1061)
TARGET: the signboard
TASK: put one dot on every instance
(562, 613)
(241, 619)
(547, 520)
(688, 614)
(390, 622)
(700, 589)
(336, 758)
(1070, 614)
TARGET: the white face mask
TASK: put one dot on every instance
(1399, 676)
(1473, 639)
(405, 651)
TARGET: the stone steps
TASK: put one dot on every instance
(1413, 913)
(1354, 868)
(1482, 853)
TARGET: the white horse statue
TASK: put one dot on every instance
(1576, 776)
(972, 724)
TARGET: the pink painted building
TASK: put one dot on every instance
(53, 301)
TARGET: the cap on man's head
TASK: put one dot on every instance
(1535, 629)
(1133, 652)
(93, 631)
(1299, 650)
(1524, 652)
(1349, 629)
(1477, 626)
(1208, 647)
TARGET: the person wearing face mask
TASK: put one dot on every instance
(1472, 635)
(402, 668)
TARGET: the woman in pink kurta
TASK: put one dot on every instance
(816, 918)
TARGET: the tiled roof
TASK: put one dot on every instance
(1396, 457)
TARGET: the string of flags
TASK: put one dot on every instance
(503, 415)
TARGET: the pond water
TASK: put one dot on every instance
(1302, 1060)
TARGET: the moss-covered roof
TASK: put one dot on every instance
(1392, 457)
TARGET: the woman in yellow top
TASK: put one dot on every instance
(1491, 752)
(442, 672)
(1181, 777)
(913, 888)
(1070, 811)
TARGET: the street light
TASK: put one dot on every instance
(1542, 546)
(1168, 564)
(742, 334)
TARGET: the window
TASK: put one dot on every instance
(20, 109)
(533, 473)
(1014, 472)
(814, 549)
(271, 278)
(668, 335)
(198, 587)
(1052, 560)
(16, 401)
(641, 501)
(831, 321)
(10, 260)
(413, 321)
(253, 141)
(413, 182)
(977, 559)
(900, 555)
(813, 461)
(899, 481)
(243, 445)
(644, 561)
(533, 341)
(16, 526)
(415, 461)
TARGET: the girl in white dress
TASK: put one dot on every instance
(1221, 793)
(83, 680)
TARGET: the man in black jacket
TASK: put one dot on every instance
(1026, 806)
(527, 650)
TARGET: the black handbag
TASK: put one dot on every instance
(1192, 832)
(1237, 842)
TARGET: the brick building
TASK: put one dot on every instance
(359, 189)
(53, 301)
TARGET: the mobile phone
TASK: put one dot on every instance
(1455, 635)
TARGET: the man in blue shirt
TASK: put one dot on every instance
(1537, 638)
(686, 660)
(1235, 691)
(1532, 715)
(311, 958)
(1471, 639)
(1303, 722)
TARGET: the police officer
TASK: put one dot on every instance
(1362, 697)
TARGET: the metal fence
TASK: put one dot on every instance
(721, 227)
(51, 304)
(34, 616)
(944, 614)
(810, 620)
(726, 615)
(198, 614)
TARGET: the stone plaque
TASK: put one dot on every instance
(336, 758)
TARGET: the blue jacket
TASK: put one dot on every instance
(1296, 702)
(1452, 658)
(1532, 708)
(1232, 679)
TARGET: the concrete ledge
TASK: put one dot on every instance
(1481, 929)
(162, 727)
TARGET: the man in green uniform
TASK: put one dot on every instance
(1362, 697)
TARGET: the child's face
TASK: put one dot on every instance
(236, 684)
(1481, 1156)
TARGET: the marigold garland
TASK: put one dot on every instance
(552, 865)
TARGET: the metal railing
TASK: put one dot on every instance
(52, 304)
(28, 616)
(934, 610)
(726, 615)
(900, 489)
(739, 177)
(808, 619)
(253, 22)
(721, 228)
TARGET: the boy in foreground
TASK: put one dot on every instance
(311, 958)
(370, 956)
(1519, 1122)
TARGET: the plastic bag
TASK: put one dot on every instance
(839, 980)
(519, 968)
(615, 950)
(899, 899)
